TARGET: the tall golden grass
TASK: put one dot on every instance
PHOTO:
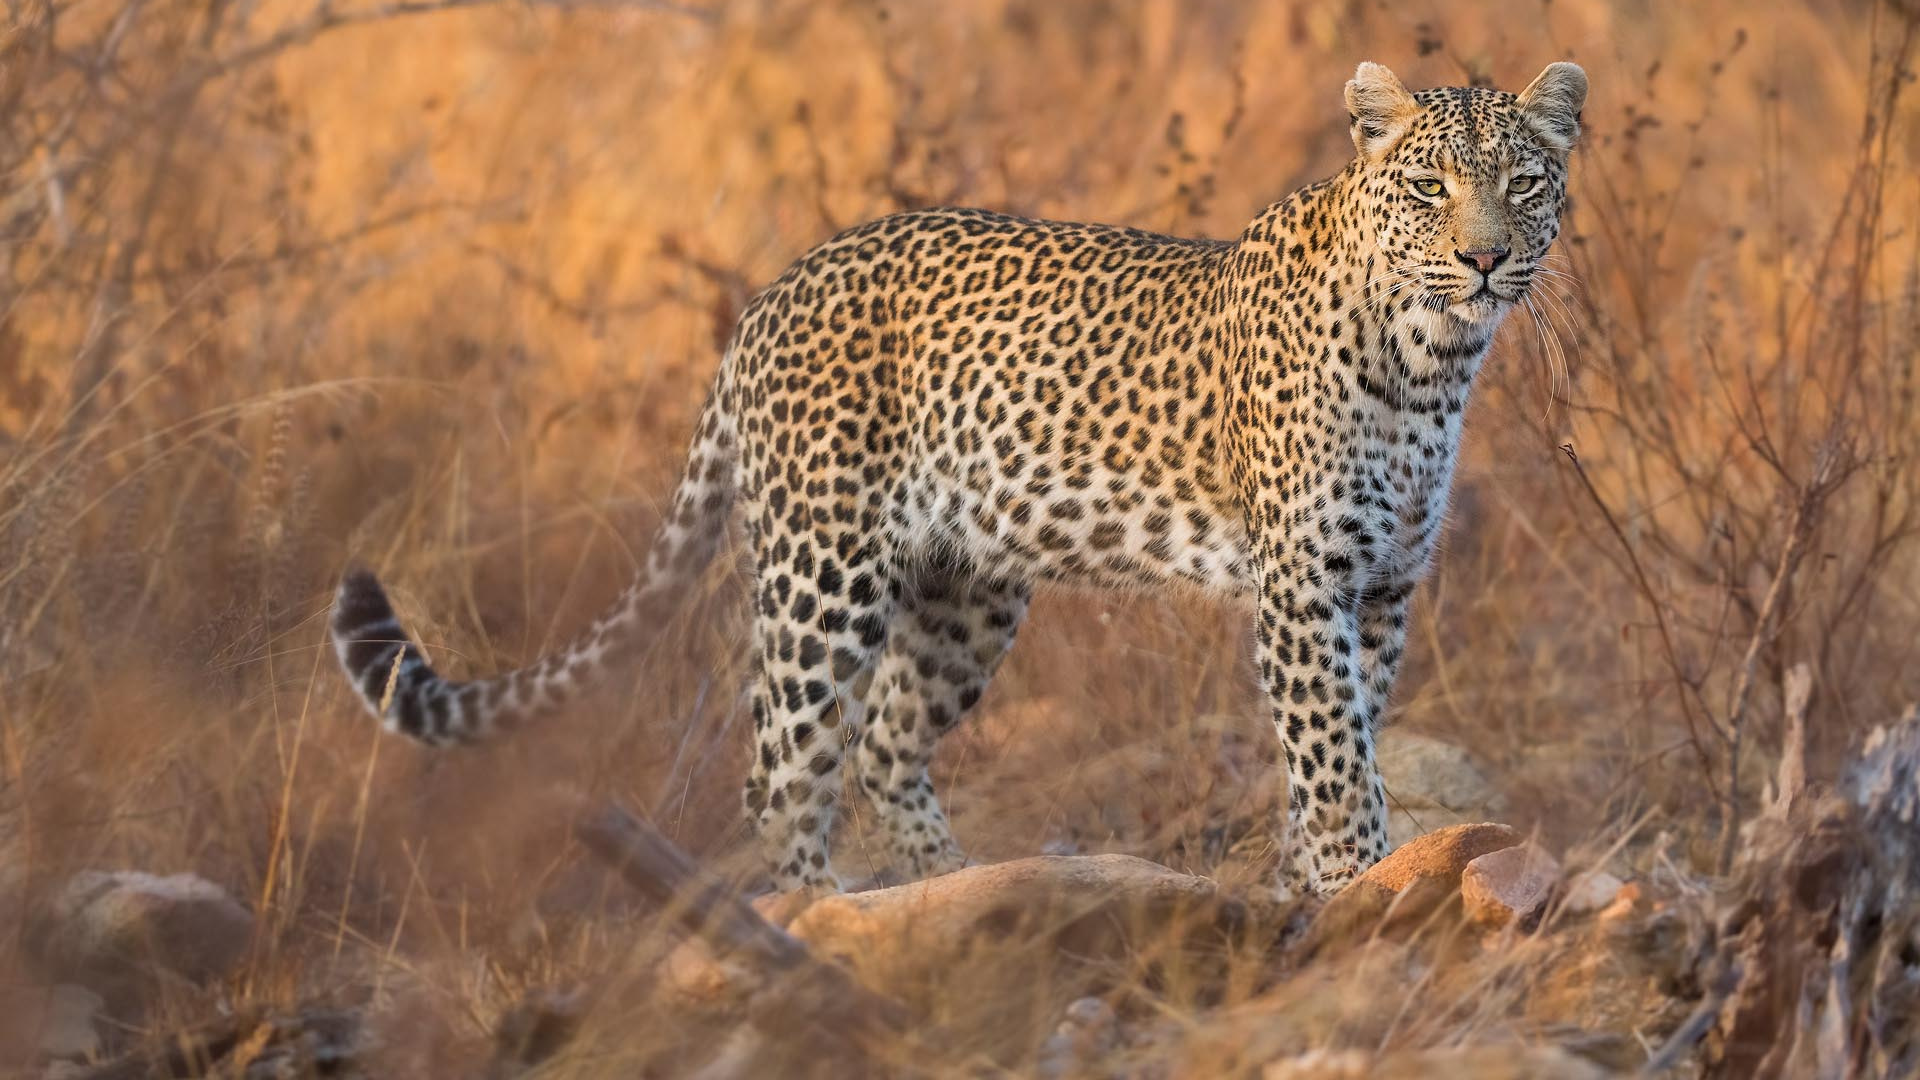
(438, 286)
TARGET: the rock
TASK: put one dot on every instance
(1508, 886)
(1625, 905)
(1090, 1016)
(1364, 911)
(1320, 1065)
(1483, 1062)
(695, 976)
(1092, 906)
(109, 928)
(1400, 892)
(1442, 853)
(1591, 892)
(69, 1030)
(49, 1022)
(1087, 1032)
(1432, 784)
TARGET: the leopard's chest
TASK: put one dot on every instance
(1388, 498)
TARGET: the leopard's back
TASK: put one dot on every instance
(1041, 395)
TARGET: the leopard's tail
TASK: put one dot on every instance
(409, 697)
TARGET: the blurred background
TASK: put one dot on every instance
(438, 286)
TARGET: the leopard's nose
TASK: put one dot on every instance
(1484, 261)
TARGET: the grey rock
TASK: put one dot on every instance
(1432, 784)
(109, 928)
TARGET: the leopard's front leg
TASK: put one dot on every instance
(1308, 631)
(1383, 639)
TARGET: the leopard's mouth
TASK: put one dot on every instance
(1480, 305)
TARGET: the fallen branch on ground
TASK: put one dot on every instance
(804, 1009)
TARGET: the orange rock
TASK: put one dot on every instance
(1083, 902)
(1442, 853)
(1625, 904)
(1484, 1062)
(1401, 891)
(1092, 906)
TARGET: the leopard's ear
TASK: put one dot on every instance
(1381, 108)
(1552, 103)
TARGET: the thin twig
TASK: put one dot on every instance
(1686, 690)
(1828, 474)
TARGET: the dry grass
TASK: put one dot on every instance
(439, 287)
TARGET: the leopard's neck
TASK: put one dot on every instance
(1307, 295)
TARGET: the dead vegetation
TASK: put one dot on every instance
(438, 286)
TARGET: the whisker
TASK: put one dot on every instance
(1549, 305)
(1549, 347)
(1553, 283)
(1539, 335)
(1559, 304)
(1547, 271)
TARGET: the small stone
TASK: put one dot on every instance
(1626, 903)
(693, 975)
(1089, 1014)
(1509, 885)
(1591, 892)
(106, 928)
(1088, 1030)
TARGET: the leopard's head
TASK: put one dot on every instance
(1461, 190)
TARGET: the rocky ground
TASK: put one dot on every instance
(1799, 962)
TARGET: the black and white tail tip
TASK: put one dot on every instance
(387, 669)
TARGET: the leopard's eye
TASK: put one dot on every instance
(1428, 186)
(1520, 185)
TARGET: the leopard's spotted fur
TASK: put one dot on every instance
(928, 414)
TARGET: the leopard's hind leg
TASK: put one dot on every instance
(822, 610)
(949, 633)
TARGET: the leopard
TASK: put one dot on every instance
(929, 416)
